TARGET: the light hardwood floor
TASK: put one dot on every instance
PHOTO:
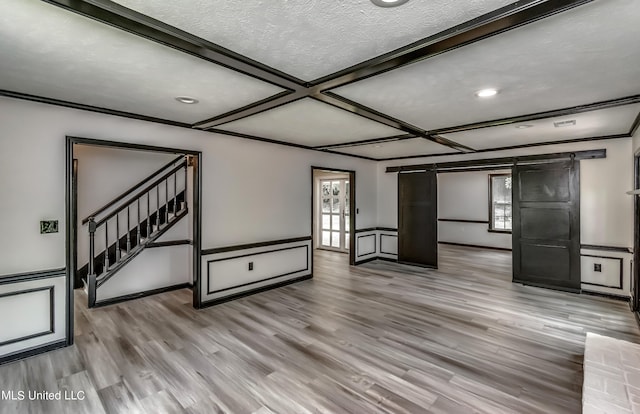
(378, 338)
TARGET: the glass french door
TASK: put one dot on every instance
(335, 214)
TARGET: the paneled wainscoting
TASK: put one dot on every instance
(235, 271)
(606, 269)
(33, 313)
(376, 243)
(376, 338)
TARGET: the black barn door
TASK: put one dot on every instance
(546, 225)
(418, 218)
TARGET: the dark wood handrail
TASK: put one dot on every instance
(131, 190)
(145, 190)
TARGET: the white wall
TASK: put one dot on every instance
(252, 191)
(606, 211)
(636, 141)
(465, 196)
(104, 173)
(32, 184)
(153, 269)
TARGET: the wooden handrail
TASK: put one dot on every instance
(131, 190)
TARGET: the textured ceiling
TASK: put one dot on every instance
(584, 55)
(581, 56)
(312, 38)
(402, 148)
(310, 122)
(598, 123)
(50, 52)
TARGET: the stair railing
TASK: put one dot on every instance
(128, 192)
(149, 221)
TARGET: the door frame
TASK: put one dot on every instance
(353, 212)
(71, 213)
(344, 230)
(635, 299)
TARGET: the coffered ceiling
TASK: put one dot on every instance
(611, 122)
(397, 148)
(344, 76)
(309, 122)
(561, 61)
(311, 38)
(47, 51)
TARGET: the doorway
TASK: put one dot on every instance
(334, 214)
(118, 237)
(333, 210)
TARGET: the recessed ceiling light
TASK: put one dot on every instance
(377, 146)
(388, 3)
(561, 124)
(486, 93)
(524, 126)
(187, 100)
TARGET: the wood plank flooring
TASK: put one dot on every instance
(377, 338)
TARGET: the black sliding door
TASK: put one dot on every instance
(418, 218)
(546, 225)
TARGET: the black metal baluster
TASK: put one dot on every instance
(106, 243)
(185, 185)
(175, 194)
(138, 229)
(118, 252)
(166, 201)
(148, 213)
(128, 229)
(158, 207)
(92, 245)
(91, 277)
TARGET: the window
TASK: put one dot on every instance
(500, 202)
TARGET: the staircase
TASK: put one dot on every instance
(122, 229)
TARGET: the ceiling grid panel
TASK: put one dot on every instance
(62, 55)
(560, 61)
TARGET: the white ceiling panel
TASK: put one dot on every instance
(603, 122)
(50, 52)
(584, 55)
(310, 122)
(312, 38)
(402, 148)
